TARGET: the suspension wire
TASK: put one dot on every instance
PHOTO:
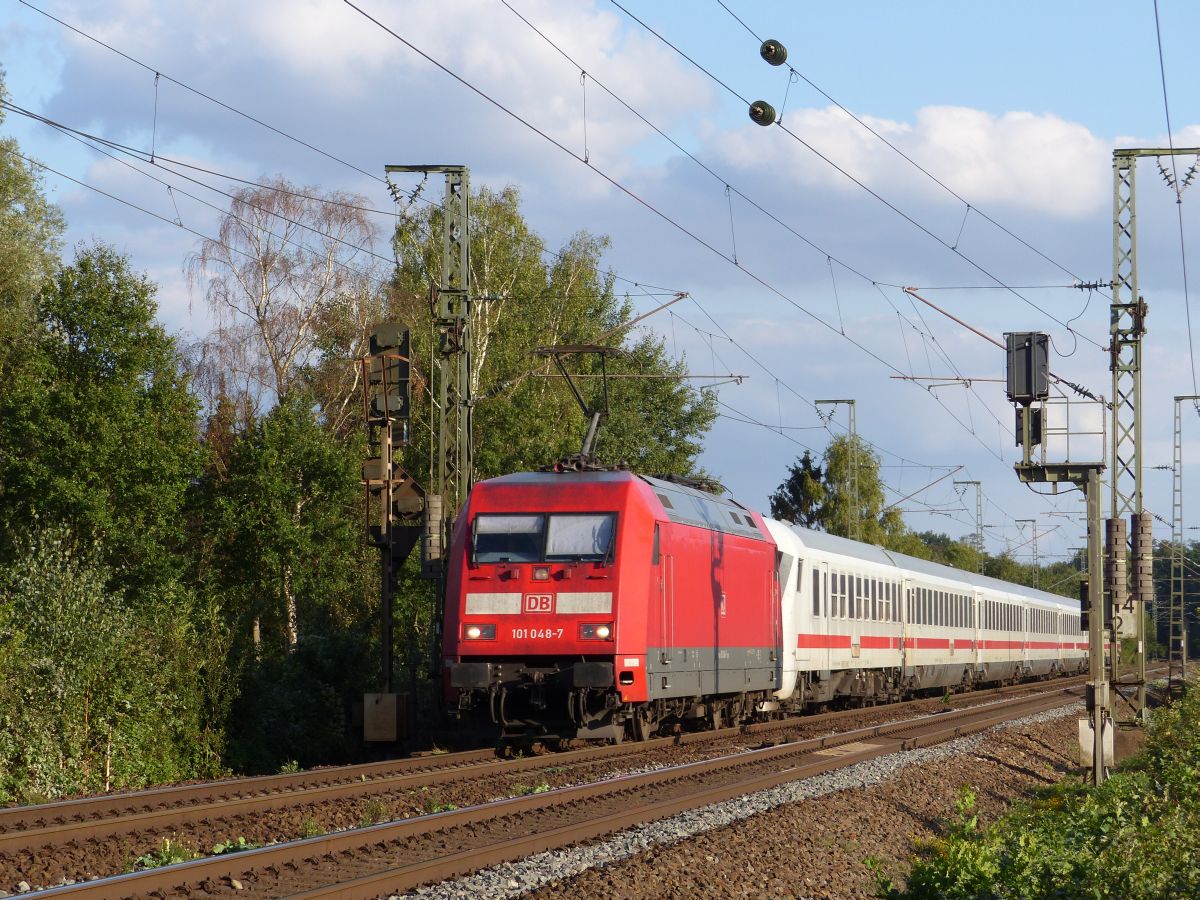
(1187, 305)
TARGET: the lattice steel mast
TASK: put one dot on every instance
(1127, 318)
(1177, 629)
(978, 516)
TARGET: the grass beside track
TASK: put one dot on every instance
(1137, 836)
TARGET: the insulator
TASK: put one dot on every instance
(431, 536)
(762, 113)
(1115, 549)
(773, 52)
(1143, 557)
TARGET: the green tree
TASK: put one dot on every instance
(525, 417)
(98, 428)
(30, 239)
(831, 501)
(283, 520)
(799, 497)
(280, 520)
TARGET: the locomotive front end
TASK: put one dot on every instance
(533, 620)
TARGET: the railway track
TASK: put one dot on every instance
(41, 828)
(395, 856)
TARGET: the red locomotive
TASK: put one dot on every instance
(604, 603)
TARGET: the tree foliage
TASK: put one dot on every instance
(97, 693)
(829, 499)
(183, 577)
(98, 428)
(30, 239)
(800, 496)
(283, 524)
(525, 417)
(285, 259)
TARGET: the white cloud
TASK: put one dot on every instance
(1039, 163)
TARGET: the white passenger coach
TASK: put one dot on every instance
(867, 624)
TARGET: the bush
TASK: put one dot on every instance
(1137, 836)
(295, 708)
(95, 693)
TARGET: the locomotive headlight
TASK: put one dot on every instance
(541, 573)
(595, 632)
(474, 631)
(480, 632)
(603, 632)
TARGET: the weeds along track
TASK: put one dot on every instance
(399, 855)
(30, 829)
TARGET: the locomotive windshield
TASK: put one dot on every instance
(567, 537)
(509, 538)
(579, 537)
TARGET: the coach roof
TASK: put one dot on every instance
(830, 543)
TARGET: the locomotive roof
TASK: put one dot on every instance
(820, 540)
(559, 477)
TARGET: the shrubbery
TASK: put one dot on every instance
(1137, 836)
(95, 693)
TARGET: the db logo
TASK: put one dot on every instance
(539, 603)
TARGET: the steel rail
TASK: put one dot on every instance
(784, 762)
(37, 828)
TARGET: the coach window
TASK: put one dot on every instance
(842, 595)
(816, 591)
(874, 601)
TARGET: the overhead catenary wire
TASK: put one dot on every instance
(857, 181)
(830, 259)
(1187, 306)
(331, 156)
(969, 207)
(277, 131)
(612, 181)
(728, 189)
(302, 142)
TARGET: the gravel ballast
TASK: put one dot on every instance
(810, 838)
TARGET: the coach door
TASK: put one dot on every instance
(977, 627)
(906, 640)
(819, 609)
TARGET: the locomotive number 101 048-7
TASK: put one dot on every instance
(537, 634)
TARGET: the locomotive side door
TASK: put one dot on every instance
(663, 574)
